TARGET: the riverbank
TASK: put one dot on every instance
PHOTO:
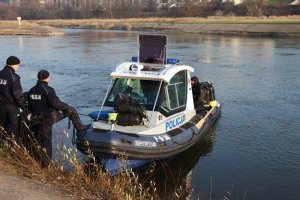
(22, 178)
(15, 187)
(246, 26)
(27, 28)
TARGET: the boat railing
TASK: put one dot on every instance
(155, 102)
(109, 87)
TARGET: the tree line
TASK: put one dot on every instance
(34, 10)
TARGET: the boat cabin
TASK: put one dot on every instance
(159, 85)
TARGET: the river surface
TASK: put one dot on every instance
(253, 150)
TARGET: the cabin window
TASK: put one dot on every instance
(174, 94)
(142, 91)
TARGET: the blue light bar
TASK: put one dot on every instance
(169, 60)
(172, 61)
(134, 59)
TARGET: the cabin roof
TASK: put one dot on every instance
(148, 72)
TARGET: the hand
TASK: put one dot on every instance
(24, 114)
(70, 111)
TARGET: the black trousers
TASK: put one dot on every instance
(9, 119)
(43, 132)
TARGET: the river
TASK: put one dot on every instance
(253, 152)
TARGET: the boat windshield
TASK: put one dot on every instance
(142, 91)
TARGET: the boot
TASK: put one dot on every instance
(77, 122)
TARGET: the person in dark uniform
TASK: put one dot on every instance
(200, 95)
(44, 105)
(11, 97)
(196, 90)
(203, 93)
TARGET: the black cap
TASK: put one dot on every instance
(195, 79)
(12, 60)
(43, 74)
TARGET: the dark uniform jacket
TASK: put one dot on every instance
(10, 88)
(196, 93)
(42, 98)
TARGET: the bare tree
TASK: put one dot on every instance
(255, 7)
(151, 5)
(7, 12)
(31, 9)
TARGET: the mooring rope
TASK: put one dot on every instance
(84, 114)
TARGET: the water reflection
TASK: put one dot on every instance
(174, 175)
(21, 43)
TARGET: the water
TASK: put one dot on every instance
(255, 151)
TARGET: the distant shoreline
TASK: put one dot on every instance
(27, 28)
(271, 27)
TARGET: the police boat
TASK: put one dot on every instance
(148, 111)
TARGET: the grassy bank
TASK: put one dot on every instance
(27, 28)
(80, 180)
(185, 20)
(263, 26)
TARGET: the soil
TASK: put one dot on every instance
(14, 187)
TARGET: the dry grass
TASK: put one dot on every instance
(295, 19)
(45, 27)
(82, 180)
(27, 28)
(186, 20)
(14, 24)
